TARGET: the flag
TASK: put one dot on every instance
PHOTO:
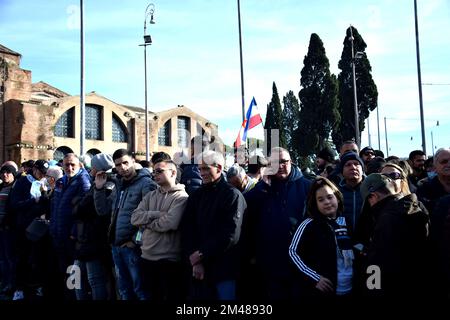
(252, 119)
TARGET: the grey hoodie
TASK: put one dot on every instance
(159, 213)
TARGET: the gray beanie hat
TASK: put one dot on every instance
(55, 172)
(102, 162)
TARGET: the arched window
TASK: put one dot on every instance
(93, 152)
(93, 124)
(184, 130)
(60, 152)
(164, 133)
(65, 125)
(119, 133)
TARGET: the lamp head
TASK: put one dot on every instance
(147, 39)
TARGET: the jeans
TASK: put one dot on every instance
(94, 272)
(128, 273)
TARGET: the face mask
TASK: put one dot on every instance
(431, 174)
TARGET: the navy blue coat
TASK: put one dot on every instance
(273, 214)
(65, 196)
(190, 177)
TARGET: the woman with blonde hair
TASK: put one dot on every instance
(396, 173)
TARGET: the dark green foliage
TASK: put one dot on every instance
(318, 99)
(367, 94)
(273, 120)
(289, 123)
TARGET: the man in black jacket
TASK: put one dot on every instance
(211, 229)
(397, 246)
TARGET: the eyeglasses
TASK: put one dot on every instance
(394, 175)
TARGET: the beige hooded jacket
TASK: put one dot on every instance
(159, 215)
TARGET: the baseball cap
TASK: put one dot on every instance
(41, 165)
(372, 183)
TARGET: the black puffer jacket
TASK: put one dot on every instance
(399, 245)
(90, 230)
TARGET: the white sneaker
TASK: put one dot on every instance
(18, 295)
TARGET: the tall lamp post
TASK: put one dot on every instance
(357, 138)
(149, 11)
(419, 79)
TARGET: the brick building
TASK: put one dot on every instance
(38, 121)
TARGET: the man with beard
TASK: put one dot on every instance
(417, 161)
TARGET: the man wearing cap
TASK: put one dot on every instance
(92, 251)
(324, 158)
(7, 261)
(70, 189)
(398, 240)
(351, 167)
(367, 154)
(25, 206)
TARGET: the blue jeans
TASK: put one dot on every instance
(128, 273)
(94, 272)
(226, 290)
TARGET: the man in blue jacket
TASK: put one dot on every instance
(275, 207)
(69, 190)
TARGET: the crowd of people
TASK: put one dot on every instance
(115, 229)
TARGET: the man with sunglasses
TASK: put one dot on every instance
(367, 154)
(159, 215)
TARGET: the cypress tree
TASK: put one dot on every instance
(367, 94)
(318, 100)
(273, 120)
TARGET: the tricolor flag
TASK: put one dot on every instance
(252, 119)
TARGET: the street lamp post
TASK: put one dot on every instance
(386, 136)
(357, 138)
(419, 79)
(149, 11)
(378, 126)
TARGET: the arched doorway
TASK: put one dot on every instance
(60, 152)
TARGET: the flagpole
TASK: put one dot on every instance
(240, 55)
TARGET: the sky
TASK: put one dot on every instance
(194, 58)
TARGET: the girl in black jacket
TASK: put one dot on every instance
(321, 248)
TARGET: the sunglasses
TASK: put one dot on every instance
(369, 153)
(394, 175)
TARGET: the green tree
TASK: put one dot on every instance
(319, 113)
(289, 123)
(273, 120)
(367, 94)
